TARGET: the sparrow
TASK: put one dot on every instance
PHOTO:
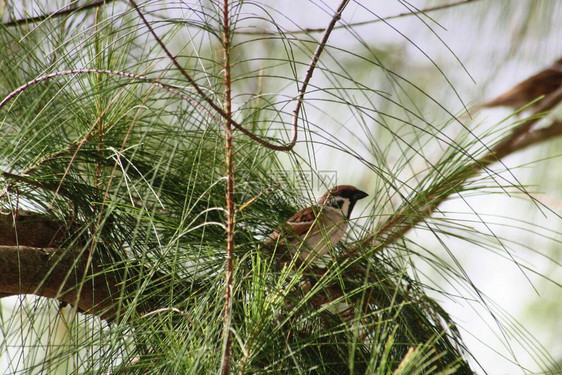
(313, 231)
(544, 83)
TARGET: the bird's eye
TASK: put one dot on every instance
(333, 202)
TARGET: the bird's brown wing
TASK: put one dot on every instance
(300, 222)
(296, 227)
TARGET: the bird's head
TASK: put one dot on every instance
(342, 197)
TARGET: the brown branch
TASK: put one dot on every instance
(229, 159)
(34, 261)
(55, 14)
(539, 135)
(546, 104)
(56, 273)
(31, 230)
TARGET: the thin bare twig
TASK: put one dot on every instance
(229, 159)
(400, 15)
(57, 13)
(314, 62)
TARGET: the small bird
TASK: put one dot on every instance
(313, 231)
(544, 83)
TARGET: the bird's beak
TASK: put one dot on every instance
(359, 195)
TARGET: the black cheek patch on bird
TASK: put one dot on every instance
(339, 203)
(334, 202)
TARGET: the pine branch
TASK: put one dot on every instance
(34, 260)
(230, 219)
(412, 213)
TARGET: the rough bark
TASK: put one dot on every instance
(33, 260)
